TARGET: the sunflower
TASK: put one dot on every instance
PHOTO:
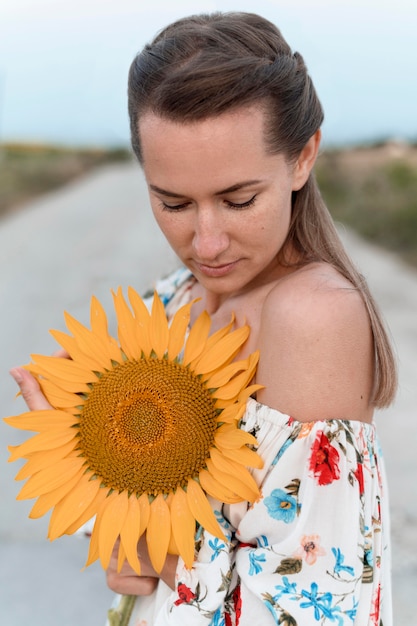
(142, 429)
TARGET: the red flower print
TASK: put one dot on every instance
(185, 594)
(237, 601)
(227, 620)
(324, 460)
(359, 477)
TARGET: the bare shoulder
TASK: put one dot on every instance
(316, 347)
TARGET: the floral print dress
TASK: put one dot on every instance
(314, 549)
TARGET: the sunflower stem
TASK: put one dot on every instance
(120, 615)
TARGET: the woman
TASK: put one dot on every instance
(226, 123)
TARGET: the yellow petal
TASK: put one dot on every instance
(219, 334)
(223, 352)
(48, 479)
(89, 343)
(217, 490)
(158, 533)
(232, 468)
(99, 330)
(197, 338)
(121, 557)
(183, 527)
(142, 319)
(93, 549)
(46, 501)
(158, 330)
(126, 327)
(41, 420)
(244, 455)
(72, 506)
(130, 533)
(178, 329)
(201, 509)
(76, 354)
(145, 511)
(113, 517)
(43, 441)
(38, 461)
(89, 512)
(236, 485)
(60, 369)
(228, 436)
(59, 398)
(222, 376)
(232, 414)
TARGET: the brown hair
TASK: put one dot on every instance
(204, 65)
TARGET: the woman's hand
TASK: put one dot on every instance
(127, 582)
(29, 386)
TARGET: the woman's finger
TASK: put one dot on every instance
(30, 389)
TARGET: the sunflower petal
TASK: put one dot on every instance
(228, 436)
(232, 414)
(224, 375)
(197, 338)
(121, 557)
(41, 420)
(233, 468)
(236, 485)
(47, 480)
(221, 353)
(59, 398)
(201, 509)
(183, 526)
(158, 330)
(126, 327)
(48, 500)
(70, 345)
(63, 370)
(89, 343)
(158, 533)
(38, 461)
(178, 329)
(89, 512)
(43, 441)
(142, 319)
(244, 455)
(112, 518)
(72, 506)
(99, 329)
(145, 511)
(217, 490)
(130, 533)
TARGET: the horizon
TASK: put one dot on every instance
(63, 69)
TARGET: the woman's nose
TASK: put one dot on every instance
(210, 238)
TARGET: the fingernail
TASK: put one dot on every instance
(16, 374)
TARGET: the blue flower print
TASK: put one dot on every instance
(218, 619)
(339, 567)
(322, 604)
(281, 506)
(255, 561)
(286, 589)
(217, 546)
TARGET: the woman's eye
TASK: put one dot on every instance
(241, 205)
(174, 207)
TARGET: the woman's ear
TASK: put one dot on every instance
(305, 161)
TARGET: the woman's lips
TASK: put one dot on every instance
(216, 271)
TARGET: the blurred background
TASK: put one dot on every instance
(74, 220)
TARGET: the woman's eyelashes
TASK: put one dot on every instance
(231, 205)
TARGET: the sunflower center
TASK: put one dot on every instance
(147, 426)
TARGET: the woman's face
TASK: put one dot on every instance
(222, 202)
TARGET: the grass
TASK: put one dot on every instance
(27, 171)
(374, 191)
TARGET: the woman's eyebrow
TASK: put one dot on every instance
(236, 187)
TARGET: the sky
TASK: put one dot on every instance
(64, 63)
